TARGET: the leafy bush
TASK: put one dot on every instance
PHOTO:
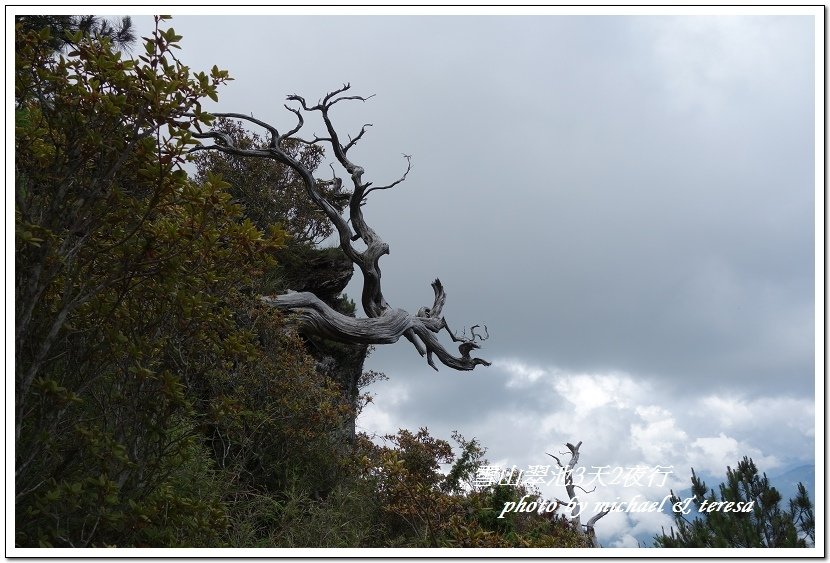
(125, 276)
(158, 402)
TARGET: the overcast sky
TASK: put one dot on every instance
(626, 202)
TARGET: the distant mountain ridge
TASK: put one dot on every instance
(786, 483)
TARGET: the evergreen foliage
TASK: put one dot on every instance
(125, 274)
(764, 524)
(271, 193)
(121, 32)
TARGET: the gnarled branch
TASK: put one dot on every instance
(384, 324)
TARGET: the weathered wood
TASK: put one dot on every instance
(384, 324)
(589, 532)
(313, 315)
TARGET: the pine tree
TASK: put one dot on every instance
(121, 33)
(754, 518)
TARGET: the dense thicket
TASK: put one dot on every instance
(151, 393)
(157, 403)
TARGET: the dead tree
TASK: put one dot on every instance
(384, 324)
(588, 528)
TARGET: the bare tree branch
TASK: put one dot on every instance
(473, 335)
(570, 487)
(384, 323)
(581, 488)
(396, 182)
(356, 139)
(252, 119)
(300, 122)
(559, 463)
(590, 527)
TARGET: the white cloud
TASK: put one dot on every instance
(521, 375)
(767, 412)
(380, 417)
(590, 391)
(712, 454)
(622, 418)
(623, 421)
(729, 412)
(657, 436)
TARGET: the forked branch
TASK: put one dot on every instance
(384, 323)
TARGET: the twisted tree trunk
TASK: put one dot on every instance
(383, 324)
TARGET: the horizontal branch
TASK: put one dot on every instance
(312, 315)
(396, 182)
